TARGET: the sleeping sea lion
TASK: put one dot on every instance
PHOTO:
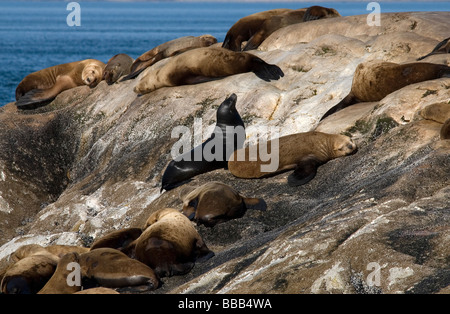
(442, 47)
(216, 202)
(228, 134)
(58, 283)
(120, 240)
(116, 67)
(168, 49)
(205, 64)
(301, 152)
(278, 21)
(44, 85)
(374, 80)
(170, 244)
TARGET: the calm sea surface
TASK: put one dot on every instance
(35, 35)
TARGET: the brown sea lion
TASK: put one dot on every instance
(113, 269)
(98, 290)
(46, 84)
(59, 283)
(278, 21)
(120, 240)
(442, 47)
(374, 80)
(202, 64)
(28, 275)
(168, 49)
(170, 244)
(216, 202)
(301, 152)
(246, 27)
(53, 251)
(445, 130)
(439, 112)
(117, 66)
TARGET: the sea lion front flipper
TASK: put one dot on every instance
(304, 172)
(265, 71)
(255, 203)
(347, 101)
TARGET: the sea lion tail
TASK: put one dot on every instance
(347, 101)
(266, 71)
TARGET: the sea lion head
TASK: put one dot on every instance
(227, 113)
(111, 75)
(208, 40)
(342, 146)
(92, 74)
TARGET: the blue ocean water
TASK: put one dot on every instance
(35, 35)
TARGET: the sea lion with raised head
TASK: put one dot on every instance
(170, 244)
(301, 152)
(168, 49)
(284, 19)
(205, 64)
(228, 135)
(113, 269)
(442, 47)
(44, 85)
(216, 202)
(376, 79)
(117, 66)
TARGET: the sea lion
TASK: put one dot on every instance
(246, 27)
(374, 80)
(116, 67)
(228, 134)
(304, 152)
(113, 269)
(28, 275)
(216, 202)
(98, 290)
(439, 112)
(120, 240)
(58, 283)
(170, 244)
(44, 85)
(53, 251)
(168, 49)
(203, 64)
(442, 47)
(284, 19)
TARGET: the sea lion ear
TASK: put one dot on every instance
(255, 203)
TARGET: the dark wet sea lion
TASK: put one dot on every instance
(301, 152)
(228, 132)
(375, 80)
(168, 49)
(44, 85)
(216, 202)
(205, 64)
(116, 67)
(170, 244)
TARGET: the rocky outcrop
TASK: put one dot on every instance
(91, 162)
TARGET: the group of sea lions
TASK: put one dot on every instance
(168, 244)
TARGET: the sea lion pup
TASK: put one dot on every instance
(44, 85)
(59, 282)
(113, 269)
(170, 244)
(116, 67)
(28, 275)
(442, 47)
(301, 152)
(168, 49)
(276, 22)
(246, 27)
(216, 202)
(205, 64)
(120, 240)
(374, 80)
(228, 135)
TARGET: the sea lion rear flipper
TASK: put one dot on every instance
(255, 203)
(34, 97)
(133, 74)
(266, 71)
(304, 172)
(347, 101)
